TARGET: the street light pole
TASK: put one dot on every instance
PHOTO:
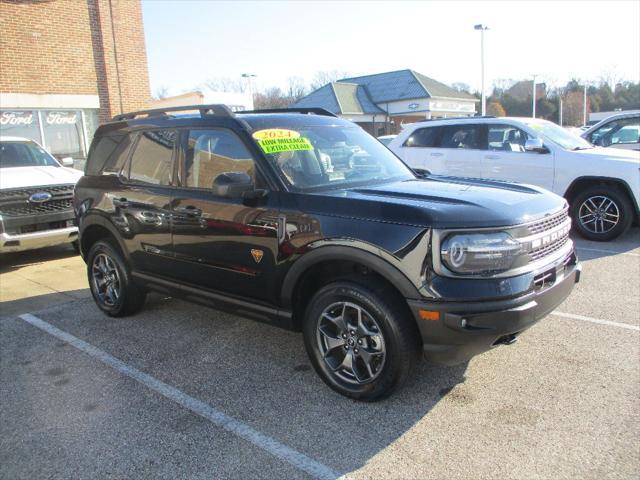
(534, 96)
(584, 106)
(482, 28)
(249, 76)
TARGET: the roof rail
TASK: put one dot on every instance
(314, 110)
(215, 109)
(457, 118)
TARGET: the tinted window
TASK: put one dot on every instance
(422, 137)
(100, 155)
(461, 136)
(619, 131)
(213, 152)
(506, 138)
(151, 159)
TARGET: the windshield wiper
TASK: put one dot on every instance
(581, 148)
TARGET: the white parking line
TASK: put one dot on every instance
(230, 424)
(612, 252)
(596, 320)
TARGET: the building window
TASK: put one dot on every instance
(63, 133)
(20, 123)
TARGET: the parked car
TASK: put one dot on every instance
(386, 139)
(35, 197)
(617, 131)
(602, 185)
(372, 263)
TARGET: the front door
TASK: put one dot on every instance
(221, 243)
(506, 159)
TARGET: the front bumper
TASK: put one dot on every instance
(29, 241)
(466, 329)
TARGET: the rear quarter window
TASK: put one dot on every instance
(108, 154)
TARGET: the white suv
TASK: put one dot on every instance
(35, 197)
(602, 185)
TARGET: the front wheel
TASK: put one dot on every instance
(361, 340)
(601, 213)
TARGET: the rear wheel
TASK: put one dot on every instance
(360, 340)
(110, 281)
(601, 213)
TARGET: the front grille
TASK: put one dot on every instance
(15, 203)
(548, 223)
(549, 248)
(25, 209)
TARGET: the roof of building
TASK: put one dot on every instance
(359, 95)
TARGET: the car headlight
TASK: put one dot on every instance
(481, 253)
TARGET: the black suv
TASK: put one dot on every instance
(373, 263)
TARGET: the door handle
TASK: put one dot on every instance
(436, 154)
(492, 157)
(189, 210)
(120, 202)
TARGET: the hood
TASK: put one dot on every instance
(602, 153)
(22, 177)
(439, 202)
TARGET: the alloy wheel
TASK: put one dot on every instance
(351, 342)
(599, 214)
(105, 279)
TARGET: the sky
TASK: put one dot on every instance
(190, 41)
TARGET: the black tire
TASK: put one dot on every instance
(609, 204)
(400, 340)
(130, 297)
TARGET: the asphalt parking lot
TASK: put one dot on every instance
(183, 391)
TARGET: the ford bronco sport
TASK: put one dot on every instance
(371, 262)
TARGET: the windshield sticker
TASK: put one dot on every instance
(275, 140)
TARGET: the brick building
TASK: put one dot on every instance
(66, 66)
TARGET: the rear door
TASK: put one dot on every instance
(505, 158)
(459, 150)
(142, 203)
(221, 242)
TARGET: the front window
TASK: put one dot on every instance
(617, 132)
(25, 154)
(321, 157)
(506, 138)
(559, 136)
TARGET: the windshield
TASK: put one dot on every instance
(558, 135)
(327, 156)
(25, 154)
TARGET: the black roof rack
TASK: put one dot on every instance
(314, 110)
(457, 118)
(215, 109)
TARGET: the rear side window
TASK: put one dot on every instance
(108, 154)
(151, 160)
(422, 137)
(213, 152)
(462, 137)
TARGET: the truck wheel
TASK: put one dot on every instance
(601, 213)
(360, 340)
(110, 282)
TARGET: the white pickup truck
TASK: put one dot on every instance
(602, 185)
(35, 197)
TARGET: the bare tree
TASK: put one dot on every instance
(273, 97)
(321, 78)
(461, 87)
(296, 89)
(226, 84)
(160, 93)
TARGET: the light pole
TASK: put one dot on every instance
(482, 29)
(534, 96)
(584, 106)
(249, 76)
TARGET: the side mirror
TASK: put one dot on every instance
(232, 184)
(67, 162)
(254, 198)
(535, 145)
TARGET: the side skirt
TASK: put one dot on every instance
(237, 306)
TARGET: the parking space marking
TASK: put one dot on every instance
(602, 250)
(218, 418)
(596, 320)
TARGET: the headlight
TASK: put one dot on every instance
(480, 253)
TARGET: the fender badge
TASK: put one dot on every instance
(257, 254)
